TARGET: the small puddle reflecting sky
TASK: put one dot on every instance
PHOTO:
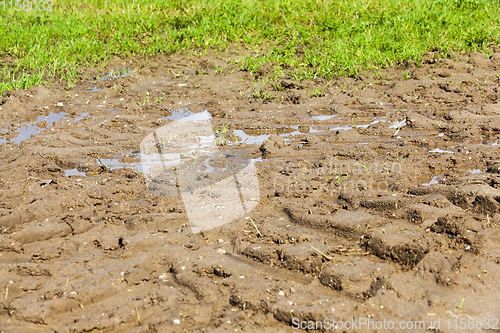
(323, 118)
(27, 131)
(73, 172)
(115, 75)
(434, 180)
(441, 151)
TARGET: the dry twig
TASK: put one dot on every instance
(138, 315)
(260, 235)
(326, 256)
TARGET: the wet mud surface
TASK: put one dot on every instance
(379, 198)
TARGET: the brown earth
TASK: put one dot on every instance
(379, 198)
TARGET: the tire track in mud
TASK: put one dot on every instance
(379, 199)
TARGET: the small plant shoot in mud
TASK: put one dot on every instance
(222, 134)
(171, 137)
(452, 76)
(461, 303)
(277, 87)
(160, 98)
(218, 70)
(263, 95)
(339, 178)
(320, 91)
(103, 165)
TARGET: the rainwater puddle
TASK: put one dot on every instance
(113, 163)
(179, 114)
(205, 115)
(73, 172)
(438, 150)
(259, 139)
(341, 128)
(251, 139)
(348, 127)
(151, 161)
(244, 138)
(188, 155)
(488, 143)
(312, 129)
(323, 118)
(475, 171)
(206, 166)
(144, 163)
(433, 181)
(27, 131)
(398, 124)
(377, 121)
(183, 115)
(365, 126)
(115, 74)
(258, 159)
(141, 163)
(81, 116)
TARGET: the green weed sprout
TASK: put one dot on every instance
(172, 135)
(221, 134)
(104, 165)
(160, 98)
(319, 92)
(339, 178)
(195, 158)
(460, 306)
(263, 95)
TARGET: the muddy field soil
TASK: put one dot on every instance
(379, 199)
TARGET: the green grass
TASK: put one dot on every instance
(306, 38)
